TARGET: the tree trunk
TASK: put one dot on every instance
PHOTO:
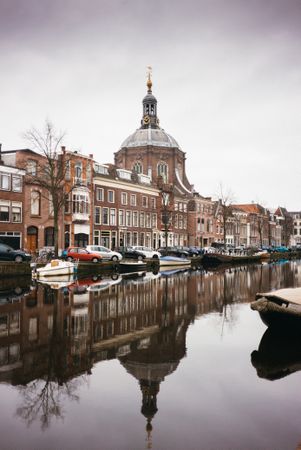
(55, 232)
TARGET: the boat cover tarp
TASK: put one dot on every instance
(292, 295)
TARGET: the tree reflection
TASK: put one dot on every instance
(55, 369)
(43, 400)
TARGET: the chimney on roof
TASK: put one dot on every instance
(63, 148)
(91, 155)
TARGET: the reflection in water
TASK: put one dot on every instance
(278, 354)
(51, 339)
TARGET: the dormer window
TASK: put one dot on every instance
(101, 169)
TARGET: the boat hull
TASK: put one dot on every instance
(55, 268)
(172, 261)
(125, 267)
(219, 258)
(277, 313)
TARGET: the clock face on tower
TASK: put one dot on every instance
(146, 120)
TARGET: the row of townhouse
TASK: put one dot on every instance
(105, 205)
(112, 206)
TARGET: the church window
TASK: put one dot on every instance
(162, 171)
(138, 167)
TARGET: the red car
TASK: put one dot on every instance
(81, 254)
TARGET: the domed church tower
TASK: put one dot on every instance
(152, 151)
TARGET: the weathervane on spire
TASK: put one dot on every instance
(149, 80)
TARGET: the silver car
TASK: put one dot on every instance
(105, 252)
(148, 252)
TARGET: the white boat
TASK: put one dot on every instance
(281, 306)
(172, 261)
(54, 268)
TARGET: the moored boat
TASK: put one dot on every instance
(282, 306)
(132, 266)
(55, 268)
(222, 258)
(172, 261)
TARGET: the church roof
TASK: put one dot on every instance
(156, 137)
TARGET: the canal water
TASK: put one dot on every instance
(171, 360)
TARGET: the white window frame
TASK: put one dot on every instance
(113, 215)
(2, 177)
(99, 215)
(133, 200)
(124, 198)
(110, 191)
(100, 194)
(5, 204)
(14, 179)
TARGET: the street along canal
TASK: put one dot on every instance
(165, 361)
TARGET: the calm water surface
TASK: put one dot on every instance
(163, 361)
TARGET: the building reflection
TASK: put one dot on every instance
(50, 339)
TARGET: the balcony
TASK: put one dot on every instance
(78, 181)
(80, 217)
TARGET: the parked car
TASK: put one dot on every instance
(81, 254)
(105, 252)
(173, 251)
(192, 251)
(281, 249)
(9, 254)
(131, 253)
(147, 251)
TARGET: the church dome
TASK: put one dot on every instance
(150, 132)
(150, 136)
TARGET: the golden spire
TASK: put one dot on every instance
(149, 83)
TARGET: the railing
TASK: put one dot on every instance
(78, 181)
(81, 217)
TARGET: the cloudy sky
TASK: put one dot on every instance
(226, 73)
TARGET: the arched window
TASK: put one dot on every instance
(78, 170)
(138, 167)
(35, 203)
(162, 171)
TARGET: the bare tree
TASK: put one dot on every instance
(51, 170)
(225, 202)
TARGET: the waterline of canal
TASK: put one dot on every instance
(163, 361)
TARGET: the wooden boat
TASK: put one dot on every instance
(279, 307)
(132, 266)
(55, 268)
(172, 261)
(221, 258)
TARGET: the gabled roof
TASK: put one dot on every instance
(282, 212)
(5, 152)
(251, 208)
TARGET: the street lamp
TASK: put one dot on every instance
(165, 215)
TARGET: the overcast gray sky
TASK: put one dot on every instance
(226, 74)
